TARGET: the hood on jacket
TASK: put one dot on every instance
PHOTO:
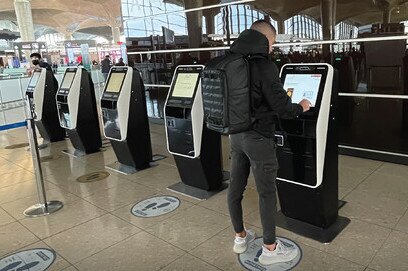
(251, 42)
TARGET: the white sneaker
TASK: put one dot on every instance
(241, 243)
(283, 252)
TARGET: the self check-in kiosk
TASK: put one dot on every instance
(41, 92)
(77, 111)
(125, 120)
(196, 149)
(307, 152)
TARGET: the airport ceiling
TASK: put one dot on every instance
(96, 16)
(69, 16)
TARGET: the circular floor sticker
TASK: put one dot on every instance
(155, 206)
(93, 177)
(16, 146)
(250, 259)
(38, 259)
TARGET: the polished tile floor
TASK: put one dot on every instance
(96, 231)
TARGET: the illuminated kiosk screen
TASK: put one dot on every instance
(185, 85)
(115, 82)
(303, 86)
(34, 79)
(68, 78)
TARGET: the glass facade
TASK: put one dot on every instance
(146, 17)
(304, 27)
(346, 31)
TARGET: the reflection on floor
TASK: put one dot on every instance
(96, 231)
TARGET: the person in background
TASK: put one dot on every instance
(38, 62)
(55, 67)
(131, 63)
(106, 64)
(120, 63)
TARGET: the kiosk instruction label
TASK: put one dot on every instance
(250, 258)
(155, 206)
(38, 259)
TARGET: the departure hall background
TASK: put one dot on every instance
(113, 221)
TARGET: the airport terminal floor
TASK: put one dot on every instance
(96, 230)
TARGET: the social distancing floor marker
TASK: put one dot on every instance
(93, 177)
(38, 259)
(155, 206)
(250, 258)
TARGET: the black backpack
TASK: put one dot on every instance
(225, 84)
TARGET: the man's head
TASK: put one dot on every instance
(267, 29)
(35, 58)
(120, 59)
(107, 56)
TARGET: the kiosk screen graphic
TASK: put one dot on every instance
(185, 85)
(302, 86)
(34, 79)
(68, 78)
(115, 82)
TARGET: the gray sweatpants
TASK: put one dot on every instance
(250, 150)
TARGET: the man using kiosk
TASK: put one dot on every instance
(256, 149)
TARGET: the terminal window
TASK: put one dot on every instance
(185, 85)
(115, 82)
(68, 78)
(303, 86)
(34, 79)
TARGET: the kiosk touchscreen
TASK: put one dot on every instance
(78, 113)
(41, 92)
(196, 149)
(124, 116)
(307, 152)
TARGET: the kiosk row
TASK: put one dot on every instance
(307, 146)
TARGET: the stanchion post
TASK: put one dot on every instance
(44, 207)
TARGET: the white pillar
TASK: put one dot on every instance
(24, 19)
(115, 34)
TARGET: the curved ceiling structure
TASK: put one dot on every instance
(70, 16)
(98, 16)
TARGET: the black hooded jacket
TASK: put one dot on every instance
(269, 99)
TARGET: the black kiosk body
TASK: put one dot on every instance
(77, 112)
(307, 152)
(125, 120)
(196, 149)
(41, 93)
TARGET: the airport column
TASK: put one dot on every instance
(281, 26)
(24, 19)
(68, 36)
(209, 21)
(115, 34)
(387, 16)
(194, 23)
(328, 21)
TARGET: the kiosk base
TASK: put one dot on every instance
(194, 192)
(121, 168)
(127, 170)
(74, 153)
(310, 231)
